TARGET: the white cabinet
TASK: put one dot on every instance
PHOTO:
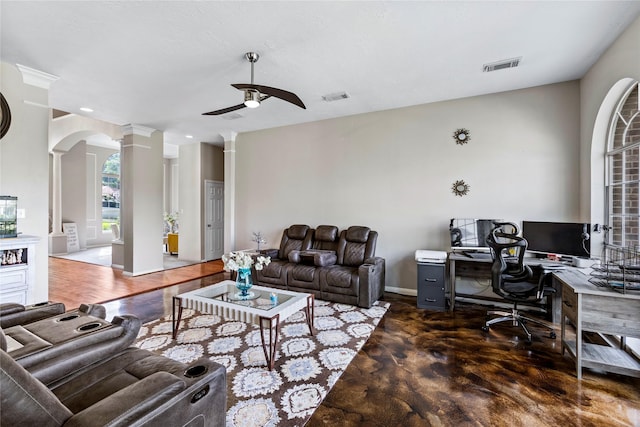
(17, 269)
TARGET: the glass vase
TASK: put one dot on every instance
(243, 282)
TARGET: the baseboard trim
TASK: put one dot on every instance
(401, 291)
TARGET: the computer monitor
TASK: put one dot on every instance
(561, 238)
(468, 234)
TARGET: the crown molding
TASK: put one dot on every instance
(35, 77)
(131, 129)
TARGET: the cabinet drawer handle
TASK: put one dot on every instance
(431, 280)
(430, 300)
(568, 304)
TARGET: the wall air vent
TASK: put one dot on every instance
(335, 96)
(501, 65)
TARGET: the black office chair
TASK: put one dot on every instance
(510, 278)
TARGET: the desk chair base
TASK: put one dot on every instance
(517, 320)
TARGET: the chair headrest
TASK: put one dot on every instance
(326, 233)
(358, 234)
(297, 231)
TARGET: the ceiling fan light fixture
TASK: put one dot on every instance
(251, 98)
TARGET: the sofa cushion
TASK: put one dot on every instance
(294, 257)
(304, 273)
(339, 277)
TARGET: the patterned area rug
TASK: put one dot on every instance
(306, 366)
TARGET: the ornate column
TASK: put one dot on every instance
(57, 239)
(229, 190)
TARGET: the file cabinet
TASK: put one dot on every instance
(431, 286)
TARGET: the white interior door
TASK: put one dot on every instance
(214, 220)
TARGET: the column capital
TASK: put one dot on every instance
(229, 136)
(133, 129)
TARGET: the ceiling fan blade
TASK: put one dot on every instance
(272, 91)
(224, 110)
(234, 108)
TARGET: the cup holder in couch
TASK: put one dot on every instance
(70, 317)
(195, 371)
(89, 326)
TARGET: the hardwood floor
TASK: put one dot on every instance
(426, 368)
(74, 282)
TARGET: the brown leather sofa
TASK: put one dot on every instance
(59, 345)
(332, 265)
(132, 388)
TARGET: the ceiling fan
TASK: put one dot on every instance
(254, 94)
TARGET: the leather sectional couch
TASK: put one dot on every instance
(76, 369)
(338, 266)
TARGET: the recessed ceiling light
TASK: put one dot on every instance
(86, 109)
(188, 136)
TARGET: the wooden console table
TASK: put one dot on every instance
(587, 307)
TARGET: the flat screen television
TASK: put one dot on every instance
(561, 238)
(468, 234)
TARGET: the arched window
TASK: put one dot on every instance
(111, 192)
(623, 172)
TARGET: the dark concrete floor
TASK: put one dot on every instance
(426, 368)
(429, 368)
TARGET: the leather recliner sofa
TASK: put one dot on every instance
(12, 314)
(133, 388)
(334, 266)
(59, 345)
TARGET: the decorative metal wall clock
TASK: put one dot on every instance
(460, 188)
(5, 116)
(462, 136)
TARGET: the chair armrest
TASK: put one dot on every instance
(131, 403)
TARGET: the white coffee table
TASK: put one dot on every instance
(221, 299)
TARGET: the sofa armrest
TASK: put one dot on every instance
(16, 314)
(318, 257)
(272, 252)
(372, 281)
(131, 403)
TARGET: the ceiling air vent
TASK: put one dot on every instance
(232, 116)
(335, 96)
(501, 65)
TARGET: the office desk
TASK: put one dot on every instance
(462, 265)
(597, 309)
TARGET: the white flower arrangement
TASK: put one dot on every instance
(233, 261)
(171, 217)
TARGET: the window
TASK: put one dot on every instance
(111, 192)
(623, 172)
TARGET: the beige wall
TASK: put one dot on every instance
(197, 163)
(24, 164)
(600, 90)
(74, 189)
(393, 171)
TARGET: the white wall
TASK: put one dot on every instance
(393, 171)
(24, 164)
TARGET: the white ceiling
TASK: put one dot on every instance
(163, 63)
